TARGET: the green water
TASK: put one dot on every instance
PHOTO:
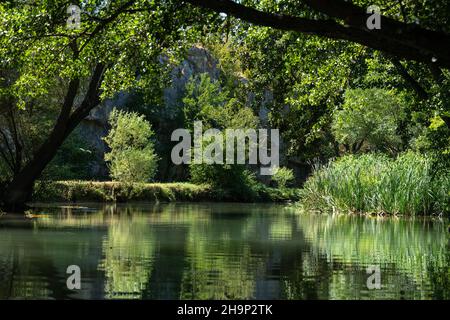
(220, 251)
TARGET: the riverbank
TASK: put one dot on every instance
(81, 191)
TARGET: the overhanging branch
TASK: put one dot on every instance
(405, 41)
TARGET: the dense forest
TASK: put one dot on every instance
(360, 95)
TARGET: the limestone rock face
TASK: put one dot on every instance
(198, 61)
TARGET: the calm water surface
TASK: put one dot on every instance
(219, 251)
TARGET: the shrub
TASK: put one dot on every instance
(377, 184)
(205, 100)
(233, 181)
(282, 176)
(132, 157)
(72, 161)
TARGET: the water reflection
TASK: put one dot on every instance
(219, 251)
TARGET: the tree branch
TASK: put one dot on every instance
(421, 93)
(104, 22)
(9, 162)
(407, 41)
(18, 147)
(91, 99)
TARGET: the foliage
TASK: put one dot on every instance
(283, 176)
(232, 181)
(374, 183)
(307, 78)
(433, 137)
(23, 130)
(203, 98)
(132, 157)
(431, 133)
(369, 118)
(72, 161)
(206, 101)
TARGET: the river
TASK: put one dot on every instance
(220, 251)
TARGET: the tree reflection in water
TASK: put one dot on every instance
(220, 251)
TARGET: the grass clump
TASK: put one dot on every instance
(374, 183)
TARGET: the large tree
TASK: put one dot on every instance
(40, 50)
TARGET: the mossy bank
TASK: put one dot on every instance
(79, 191)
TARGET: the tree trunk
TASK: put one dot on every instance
(19, 191)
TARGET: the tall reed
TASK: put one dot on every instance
(374, 183)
